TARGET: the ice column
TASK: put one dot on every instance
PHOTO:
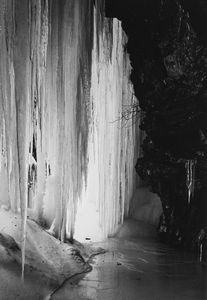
(112, 139)
(66, 154)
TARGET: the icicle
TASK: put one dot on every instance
(64, 84)
(23, 111)
(201, 241)
(190, 165)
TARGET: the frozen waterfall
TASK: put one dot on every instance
(67, 156)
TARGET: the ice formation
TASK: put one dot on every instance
(190, 178)
(67, 157)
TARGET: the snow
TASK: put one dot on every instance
(52, 258)
(146, 206)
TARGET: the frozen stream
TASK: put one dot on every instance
(131, 269)
(138, 270)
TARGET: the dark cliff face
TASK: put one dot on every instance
(167, 46)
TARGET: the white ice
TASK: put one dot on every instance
(65, 150)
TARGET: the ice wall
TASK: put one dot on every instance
(67, 156)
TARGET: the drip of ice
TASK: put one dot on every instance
(190, 166)
(66, 156)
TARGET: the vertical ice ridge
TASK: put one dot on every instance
(22, 95)
(64, 85)
(111, 165)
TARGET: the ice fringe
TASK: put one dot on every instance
(64, 79)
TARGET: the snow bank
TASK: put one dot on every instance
(54, 259)
(146, 206)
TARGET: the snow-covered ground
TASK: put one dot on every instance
(48, 262)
